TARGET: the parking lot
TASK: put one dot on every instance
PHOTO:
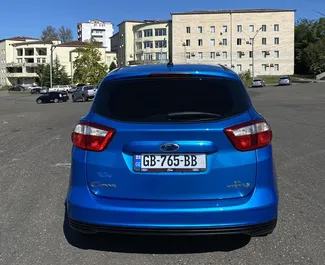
(35, 151)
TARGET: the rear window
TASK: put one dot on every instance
(153, 99)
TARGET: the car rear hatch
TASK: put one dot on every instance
(167, 139)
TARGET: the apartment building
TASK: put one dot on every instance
(142, 42)
(100, 31)
(259, 40)
(21, 56)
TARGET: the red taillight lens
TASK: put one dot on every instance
(91, 137)
(250, 135)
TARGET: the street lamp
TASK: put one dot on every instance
(51, 65)
(253, 56)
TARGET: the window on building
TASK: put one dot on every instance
(224, 42)
(147, 32)
(251, 28)
(188, 55)
(276, 54)
(264, 54)
(251, 68)
(239, 28)
(160, 32)
(138, 45)
(200, 55)
(139, 34)
(238, 41)
(263, 27)
(20, 60)
(225, 29)
(224, 55)
(250, 54)
(147, 57)
(212, 55)
(19, 52)
(43, 60)
(213, 42)
(200, 29)
(160, 44)
(188, 42)
(264, 41)
(239, 54)
(239, 68)
(188, 29)
(276, 40)
(276, 27)
(148, 44)
(264, 67)
(276, 68)
(200, 42)
(38, 60)
(212, 29)
(161, 56)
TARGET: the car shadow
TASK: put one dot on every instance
(153, 244)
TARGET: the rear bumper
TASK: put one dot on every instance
(255, 215)
(250, 230)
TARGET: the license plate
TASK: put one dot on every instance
(169, 163)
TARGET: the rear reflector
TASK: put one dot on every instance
(250, 135)
(91, 137)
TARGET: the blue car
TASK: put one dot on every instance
(173, 150)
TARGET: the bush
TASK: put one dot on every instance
(246, 77)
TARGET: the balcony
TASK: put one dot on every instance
(22, 75)
(22, 64)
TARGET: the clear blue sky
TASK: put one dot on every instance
(28, 18)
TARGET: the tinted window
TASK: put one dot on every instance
(152, 99)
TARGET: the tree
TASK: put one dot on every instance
(49, 33)
(65, 34)
(112, 66)
(88, 67)
(59, 74)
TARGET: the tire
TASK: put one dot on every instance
(56, 100)
(39, 101)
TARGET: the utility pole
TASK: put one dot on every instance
(51, 66)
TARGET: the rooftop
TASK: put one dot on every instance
(75, 43)
(33, 42)
(19, 38)
(233, 11)
(146, 21)
(194, 69)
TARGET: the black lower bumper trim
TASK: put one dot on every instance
(252, 230)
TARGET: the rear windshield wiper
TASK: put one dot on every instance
(193, 115)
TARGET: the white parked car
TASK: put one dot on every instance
(59, 88)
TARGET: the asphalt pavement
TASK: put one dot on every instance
(35, 149)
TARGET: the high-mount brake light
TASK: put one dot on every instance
(250, 135)
(91, 136)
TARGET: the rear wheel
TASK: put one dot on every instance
(56, 100)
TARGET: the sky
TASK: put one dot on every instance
(28, 18)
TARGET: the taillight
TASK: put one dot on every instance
(250, 135)
(91, 137)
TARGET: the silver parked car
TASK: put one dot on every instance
(84, 93)
(285, 81)
(258, 82)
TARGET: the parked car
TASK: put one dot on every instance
(17, 88)
(72, 89)
(176, 149)
(285, 81)
(44, 90)
(59, 88)
(53, 97)
(258, 82)
(84, 93)
(36, 90)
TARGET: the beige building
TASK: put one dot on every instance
(20, 57)
(259, 40)
(142, 42)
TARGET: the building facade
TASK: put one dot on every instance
(259, 40)
(100, 31)
(142, 42)
(20, 57)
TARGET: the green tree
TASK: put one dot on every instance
(112, 66)
(88, 67)
(59, 74)
(49, 33)
(65, 34)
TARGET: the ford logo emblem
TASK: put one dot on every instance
(169, 147)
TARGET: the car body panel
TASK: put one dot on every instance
(51, 96)
(212, 198)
